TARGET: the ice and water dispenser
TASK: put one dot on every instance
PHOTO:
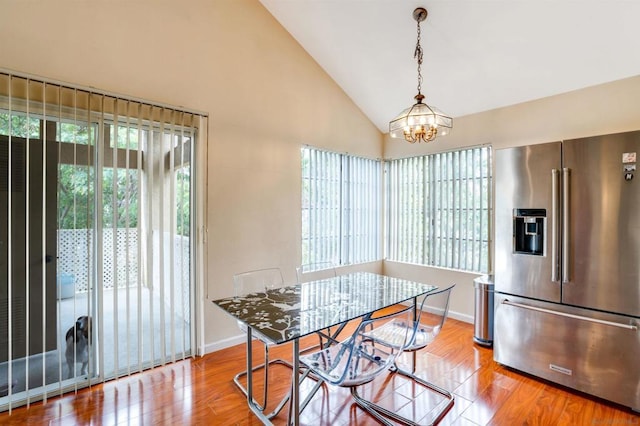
(529, 231)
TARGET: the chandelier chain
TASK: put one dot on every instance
(418, 56)
(420, 122)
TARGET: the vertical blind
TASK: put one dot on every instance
(97, 202)
(439, 209)
(341, 208)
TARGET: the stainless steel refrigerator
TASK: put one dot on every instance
(567, 264)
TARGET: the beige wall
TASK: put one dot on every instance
(230, 58)
(607, 108)
(265, 97)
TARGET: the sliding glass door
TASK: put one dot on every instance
(96, 255)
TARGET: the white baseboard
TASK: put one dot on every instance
(461, 317)
(225, 343)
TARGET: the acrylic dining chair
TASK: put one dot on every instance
(358, 359)
(255, 281)
(424, 327)
(315, 271)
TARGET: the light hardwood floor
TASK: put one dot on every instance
(200, 391)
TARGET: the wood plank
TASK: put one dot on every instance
(200, 391)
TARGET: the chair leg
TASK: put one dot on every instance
(303, 403)
(368, 405)
(445, 393)
(371, 408)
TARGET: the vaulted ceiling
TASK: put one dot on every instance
(478, 54)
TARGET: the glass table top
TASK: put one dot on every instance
(291, 312)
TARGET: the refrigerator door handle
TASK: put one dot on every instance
(555, 218)
(568, 315)
(566, 255)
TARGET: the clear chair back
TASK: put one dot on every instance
(315, 271)
(258, 280)
(431, 314)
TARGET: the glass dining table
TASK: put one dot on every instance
(288, 313)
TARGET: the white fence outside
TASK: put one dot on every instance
(75, 254)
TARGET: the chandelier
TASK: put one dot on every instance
(420, 122)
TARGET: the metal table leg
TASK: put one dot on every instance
(295, 384)
(250, 401)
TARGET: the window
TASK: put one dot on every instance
(439, 208)
(20, 125)
(341, 208)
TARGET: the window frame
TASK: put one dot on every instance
(352, 228)
(440, 195)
